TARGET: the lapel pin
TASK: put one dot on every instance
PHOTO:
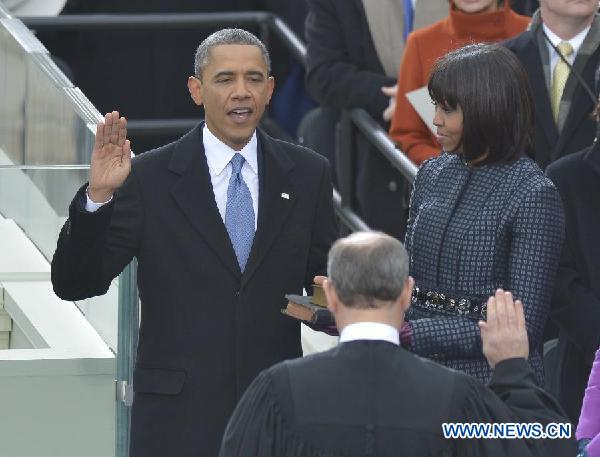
(285, 195)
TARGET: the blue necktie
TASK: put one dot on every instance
(409, 16)
(239, 212)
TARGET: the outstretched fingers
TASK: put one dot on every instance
(501, 313)
(111, 131)
(99, 142)
(114, 127)
(520, 316)
(122, 131)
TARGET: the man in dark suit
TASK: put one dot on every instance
(576, 299)
(223, 222)
(346, 69)
(370, 397)
(563, 103)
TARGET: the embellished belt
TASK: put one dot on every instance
(443, 303)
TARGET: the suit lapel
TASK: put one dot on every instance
(277, 197)
(193, 193)
(533, 64)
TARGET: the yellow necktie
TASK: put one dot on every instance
(559, 77)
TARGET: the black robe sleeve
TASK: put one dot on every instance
(254, 424)
(512, 396)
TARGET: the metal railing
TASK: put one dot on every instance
(267, 23)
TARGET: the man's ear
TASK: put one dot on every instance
(195, 88)
(331, 296)
(405, 296)
(271, 87)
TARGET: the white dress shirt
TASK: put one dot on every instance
(575, 42)
(218, 157)
(370, 331)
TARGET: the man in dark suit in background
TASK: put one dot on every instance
(563, 104)
(223, 222)
(576, 299)
(370, 397)
(354, 48)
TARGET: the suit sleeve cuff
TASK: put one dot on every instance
(91, 206)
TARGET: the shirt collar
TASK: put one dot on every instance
(370, 331)
(575, 42)
(218, 154)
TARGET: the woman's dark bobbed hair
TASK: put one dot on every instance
(492, 89)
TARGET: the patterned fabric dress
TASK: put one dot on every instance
(472, 230)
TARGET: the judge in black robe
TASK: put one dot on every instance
(369, 397)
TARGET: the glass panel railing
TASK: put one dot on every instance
(60, 354)
(46, 135)
(44, 120)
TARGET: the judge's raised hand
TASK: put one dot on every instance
(111, 158)
(504, 335)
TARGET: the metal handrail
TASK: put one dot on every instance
(381, 140)
(289, 38)
(347, 216)
(144, 21)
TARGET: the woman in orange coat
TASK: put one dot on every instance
(470, 21)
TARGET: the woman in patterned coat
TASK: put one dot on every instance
(482, 216)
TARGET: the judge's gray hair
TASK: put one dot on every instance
(227, 36)
(367, 268)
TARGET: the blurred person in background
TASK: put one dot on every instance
(468, 22)
(354, 48)
(482, 215)
(576, 299)
(562, 86)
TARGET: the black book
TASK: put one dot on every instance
(302, 308)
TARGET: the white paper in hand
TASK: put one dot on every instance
(423, 105)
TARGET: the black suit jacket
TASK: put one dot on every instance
(579, 129)
(576, 300)
(371, 398)
(344, 72)
(206, 328)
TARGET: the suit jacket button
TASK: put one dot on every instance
(237, 293)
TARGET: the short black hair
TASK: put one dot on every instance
(491, 87)
(227, 36)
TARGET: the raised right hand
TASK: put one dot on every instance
(111, 158)
(504, 335)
